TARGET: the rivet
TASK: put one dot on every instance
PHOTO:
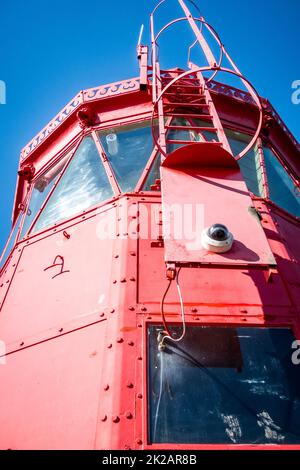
(139, 442)
(106, 387)
(109, 346)
(144, 309)
(194, 310)
(61, 330)
(104, 418)
(114, 281)
(102, 314)
(132, 253)
(140, 358)
(149, 318)
(116, 419)
(123, 279)
(116, 256)
(120, 340)
(243, 310)
(112, 310)
(131, 308)
(22, 344)
(129, 385)
(139, 395)
(128, 415)
(140, 325)
(132, 278)
(130, 343)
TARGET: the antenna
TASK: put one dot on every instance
(140, 35)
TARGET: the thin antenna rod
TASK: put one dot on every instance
(140, 35)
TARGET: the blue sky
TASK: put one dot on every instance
(50, 51)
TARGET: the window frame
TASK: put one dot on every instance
(43, 170)
(296, 180)
(237, 323)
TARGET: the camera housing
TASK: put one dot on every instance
(217, 238)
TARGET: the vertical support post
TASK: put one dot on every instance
(153, 44)
(142, 54)
(266, 191)
(160, 110)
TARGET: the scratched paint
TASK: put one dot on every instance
(272, 431)
(233, 429)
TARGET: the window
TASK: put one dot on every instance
(128, 148)
(281, 186)
(224, 385)
(188, 134)
(11, 242)
(249, 164)
(153, 175)
(41, 188)
(83, 184)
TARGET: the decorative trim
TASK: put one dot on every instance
(127, 86)
(84, 96)
(245, 97)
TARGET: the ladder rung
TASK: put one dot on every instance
(191, 105)
(184, 94)
(183, 85)
(187, 115)
(182, 81)
(192, 128)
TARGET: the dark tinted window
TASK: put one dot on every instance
(282, 188)
(249, 164)
(224, 385)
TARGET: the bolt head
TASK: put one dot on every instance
(116, 419)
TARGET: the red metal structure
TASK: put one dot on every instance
(149, 289)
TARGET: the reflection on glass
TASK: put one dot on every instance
(11, 241)
(128, 149)
(282, 188)
(41, 188)
(249, 164)
(153, 175)
(83, 184)
(224, 385)
(188, 134)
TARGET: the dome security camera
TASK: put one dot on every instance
(217, 238)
